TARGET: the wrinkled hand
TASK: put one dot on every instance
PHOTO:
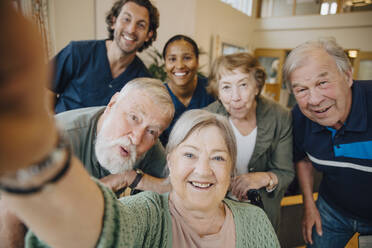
(254, 180)
(311, 217)
(118, 181)
(27, 131)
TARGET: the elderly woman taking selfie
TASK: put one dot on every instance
(262, 129)
(49, 190)
(201, 156)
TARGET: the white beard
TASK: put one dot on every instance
(109, 156)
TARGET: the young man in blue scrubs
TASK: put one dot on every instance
(88, 73)
(332, 132)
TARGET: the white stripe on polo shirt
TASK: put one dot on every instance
(340, 164)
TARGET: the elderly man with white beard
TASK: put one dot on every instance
(118, 144)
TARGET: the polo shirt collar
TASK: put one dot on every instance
(357, 119)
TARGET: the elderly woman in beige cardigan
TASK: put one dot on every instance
(262, 128)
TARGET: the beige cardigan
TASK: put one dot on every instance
(272, 152)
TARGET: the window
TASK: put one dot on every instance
(279, 8)
(328, 8)
(244, 6)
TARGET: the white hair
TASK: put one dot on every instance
(297, 56)
(197, 119)
(155, 89)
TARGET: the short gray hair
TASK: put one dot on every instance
(298, 55)
(154, 88)
(197, 119)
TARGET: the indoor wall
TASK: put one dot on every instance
(212, 23)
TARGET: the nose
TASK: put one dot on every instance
(179, 63)
(315, 97)
(235, 94)
(136, 136)
(131, 27)
(202, 166)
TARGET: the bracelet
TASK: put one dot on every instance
(28, 173)
(271, 187)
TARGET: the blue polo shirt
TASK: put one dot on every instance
(344, 156)
(83, 76)
(200, 99)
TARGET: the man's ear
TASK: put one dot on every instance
(108, 108)
(112, 102)
(349, 77)
(149, 35)
(113, 19)
(168, 162)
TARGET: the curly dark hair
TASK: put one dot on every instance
(153, 16)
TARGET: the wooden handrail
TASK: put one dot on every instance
(295, 199)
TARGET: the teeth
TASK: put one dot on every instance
(128, 38)
(179, 74)
(201, 185)
(321, 111)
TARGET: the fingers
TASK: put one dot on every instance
(306, 232)
(307, 227)
(25, 126)
(240, 187)
(318, 226)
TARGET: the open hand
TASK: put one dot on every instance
(311, 217)
(27, 130)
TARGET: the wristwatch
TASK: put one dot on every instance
(138, 178)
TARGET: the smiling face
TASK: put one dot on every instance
(322, 92)
(200, 169)
(130, 126)
(131, 28)
(237, 91)
(181, 63)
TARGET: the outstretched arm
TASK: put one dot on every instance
(28, 134)
(148, 183)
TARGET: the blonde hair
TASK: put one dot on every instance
(242, 61)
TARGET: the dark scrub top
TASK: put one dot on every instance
(83, 76)
(200, 99)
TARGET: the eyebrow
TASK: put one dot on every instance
(323, 74)
(244, 78)
(130, 15)
(139, 111)
(214, 150)
(182, 54)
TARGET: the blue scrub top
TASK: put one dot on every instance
(200, 99)
(83, 76)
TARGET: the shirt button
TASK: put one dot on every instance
(110, 85)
